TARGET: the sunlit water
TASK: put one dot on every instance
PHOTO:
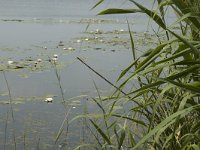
(33, 29)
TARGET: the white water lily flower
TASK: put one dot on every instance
(10, 62)
(78, 41)
(45, 47)
(49, 100)
(55, 56)
(121, 30)
(70, 48)
(64, 48)
(39, 60)
(86, 39)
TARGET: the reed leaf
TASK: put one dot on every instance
(185, 9)
(122, 137)
(184, 17)
(193, 48)
(166, 123)
(152, 56)
(131, 119)
(132, 42)
(98, 3)
(127, 69)
(104, 136)
(181, 85)
(119, 11)
(151, 14)
(187, 71)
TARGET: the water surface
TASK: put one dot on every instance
(32, 30)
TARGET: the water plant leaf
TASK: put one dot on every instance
(127, 69)
(151, 56)
(144, 63)
(131, 119)
(116, 134)
(181, 53)
(87, 116)
(186, 16)
(166, 123)
(172, 77)
(122, 137)
(97, 4)
(186, 9)
(151, 14)
(181, 85)
(161, 5)
(119, 11)
(104, 136)
(194, 146)
(186, 42)
(132, 42)
(100, 106)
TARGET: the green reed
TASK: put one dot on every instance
(163, 110)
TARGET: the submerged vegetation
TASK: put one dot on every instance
(156, 104)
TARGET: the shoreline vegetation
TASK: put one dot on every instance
(165, 99)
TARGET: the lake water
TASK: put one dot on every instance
(33, 31)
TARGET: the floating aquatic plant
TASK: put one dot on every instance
(49, 100)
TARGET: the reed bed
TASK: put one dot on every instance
(162, 111)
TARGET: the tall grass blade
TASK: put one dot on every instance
(166, 123)
(181, 85)
(122, 137)
(132, 42)
(196, 51)
(119, 11)
(131, 119)
(152, 55)
(101, 107)
(143, 64)
(186, 9)
(186, 16)
(127, 69)
(101, 76)
(172, 77)
(151, 14)
(104, 136)
(97, 4)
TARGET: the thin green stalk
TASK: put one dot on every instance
(24, 141)
(38, 144)
(101, 107)
(59, 82)
(11, 108)
(63, 102)
(109, 82)
(5, 131)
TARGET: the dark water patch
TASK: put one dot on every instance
(16, 20)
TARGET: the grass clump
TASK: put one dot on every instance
(162, 111)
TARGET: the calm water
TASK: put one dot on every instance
(32, 30)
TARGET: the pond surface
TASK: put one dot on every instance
(39, 38)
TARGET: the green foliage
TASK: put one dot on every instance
(163, 110)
